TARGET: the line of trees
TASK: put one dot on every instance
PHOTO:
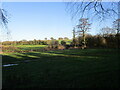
(98, 41)
(108, 37)
(25, 42)
(92, 41)
(39, 42)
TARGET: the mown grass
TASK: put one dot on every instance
(23, 47)
(74, 68)
(9, 57)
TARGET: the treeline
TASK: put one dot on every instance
(109, 41)
(25, 42)
(39, 42)
(92, 41)
(99, 41)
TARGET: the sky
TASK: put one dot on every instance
(39, 20)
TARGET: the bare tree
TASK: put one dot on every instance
(83, 27)
(116, 25)
(107, 31)
(3, 17)
(94, 8)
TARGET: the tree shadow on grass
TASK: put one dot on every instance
(75, 54)
(62, 71)
(8, 59)
(88, 52)
(21, 57)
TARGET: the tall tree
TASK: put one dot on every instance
(74, 37)
(83, 27)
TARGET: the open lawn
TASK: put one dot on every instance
(75, 68)
(15, 48)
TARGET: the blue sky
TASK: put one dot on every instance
(38, 20)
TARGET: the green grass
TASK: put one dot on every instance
(25, 45)
(67, 41)
(74, 68)
(16, 56)
(29, 47)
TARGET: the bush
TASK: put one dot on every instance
(63, 43)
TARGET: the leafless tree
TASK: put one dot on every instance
(93, 8)
(3, 17)
(83, 27)
(116, 25)
(4, 23)
(107, 31)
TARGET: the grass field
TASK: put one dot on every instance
(21, 47)
(9, 57)
(75, 68)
